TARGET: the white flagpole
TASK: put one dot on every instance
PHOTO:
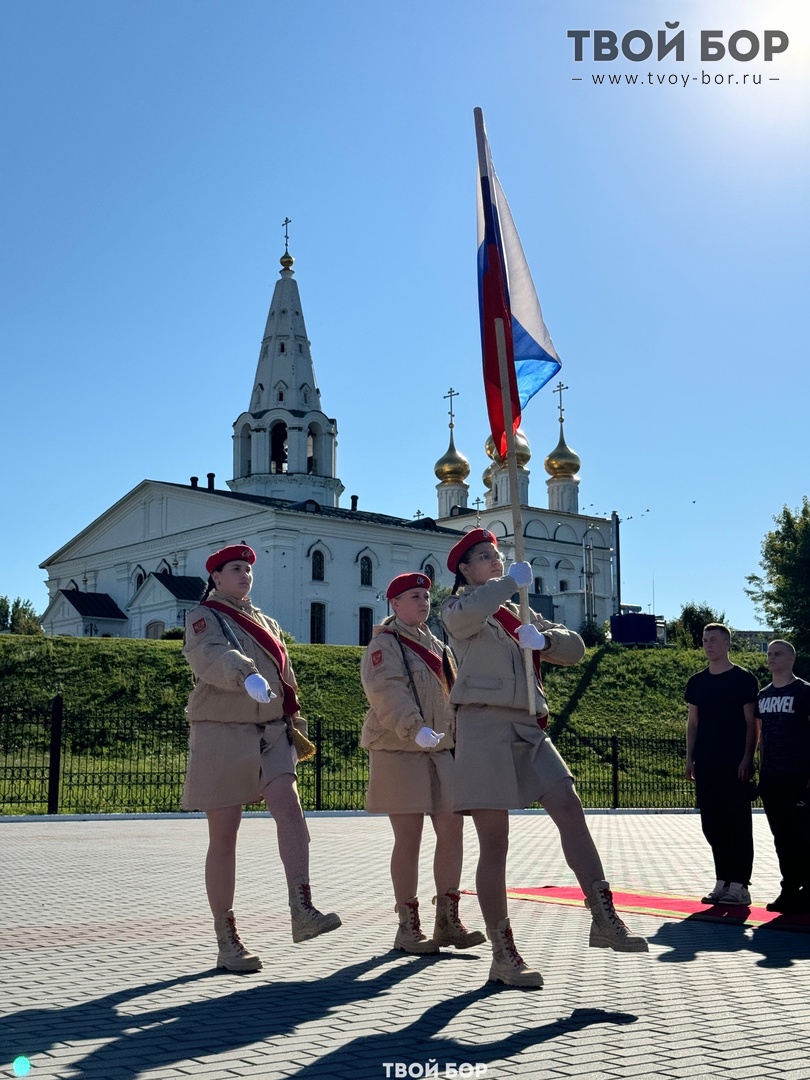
(514, 494)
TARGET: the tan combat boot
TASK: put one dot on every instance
(232, 955)
(507, 963)
(607, 929)
(307, 921)
(409, 937)
(449, 929)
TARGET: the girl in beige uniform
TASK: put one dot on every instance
(504, 759)
(245, 724)
(407, 674)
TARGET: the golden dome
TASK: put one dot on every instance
(453, 468)
(287, 261)
(523, 451)
(487, 477)
(562, 462)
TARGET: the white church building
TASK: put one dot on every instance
(140, 567)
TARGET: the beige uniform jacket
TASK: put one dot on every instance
(490, 665)
(220, 671)
(394, 718)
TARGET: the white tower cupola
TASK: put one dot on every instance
(284, 446)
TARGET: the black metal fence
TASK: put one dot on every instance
(53, 760)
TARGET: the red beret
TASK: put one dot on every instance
(234, 553)
(403, 582)
(469, 540)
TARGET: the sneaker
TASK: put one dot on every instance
(714, 896)
(736, 893)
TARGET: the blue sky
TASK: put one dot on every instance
(152, 149)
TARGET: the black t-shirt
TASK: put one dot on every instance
(720, 701)
(785, 715)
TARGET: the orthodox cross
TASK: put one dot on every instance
(287, 221)
(451, 393)
(477, 505)
(558, 389)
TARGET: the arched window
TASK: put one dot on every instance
(317, 624)
(366, 575)
(318, 565)
(430, 570)
(278, 448)
(366, 624)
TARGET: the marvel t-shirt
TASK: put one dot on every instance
(784, 712)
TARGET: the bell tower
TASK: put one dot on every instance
(284, 445)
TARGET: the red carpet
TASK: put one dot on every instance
(668, 907)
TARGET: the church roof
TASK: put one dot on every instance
(181, 586)
(93, 605)
(311, 506)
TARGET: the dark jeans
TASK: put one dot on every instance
(725, 815)
(790, 825)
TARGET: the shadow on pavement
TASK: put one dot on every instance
(687, 938)
(155, 1039)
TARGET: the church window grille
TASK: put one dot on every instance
(366, 572)
(317, 624)
(318, 566)
(430, 570)
(366, 624)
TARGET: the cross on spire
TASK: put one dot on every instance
(451, 393)
(287, 221)
(558, 389)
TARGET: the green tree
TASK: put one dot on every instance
(782, 592)
(593, 633)
(687, 630)
(18, 617)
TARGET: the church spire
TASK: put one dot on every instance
(284, 445)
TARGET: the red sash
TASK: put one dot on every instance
(510, 623)
(266, 641)
(430, 659)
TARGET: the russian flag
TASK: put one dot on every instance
(506, 291)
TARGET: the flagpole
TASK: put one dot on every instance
(514, 496)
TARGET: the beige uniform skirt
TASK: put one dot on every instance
(232, 764)
(504, 759)
(410, 782)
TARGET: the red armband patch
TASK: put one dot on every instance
(198, 626)
(376, 657)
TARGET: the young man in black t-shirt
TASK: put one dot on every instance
(783, 712)
(721, 735)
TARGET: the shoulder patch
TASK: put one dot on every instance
(376, 657)
(198, 626)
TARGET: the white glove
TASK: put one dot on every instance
(259, 688)
(427, 738)
(531, 638)
(521, 573)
